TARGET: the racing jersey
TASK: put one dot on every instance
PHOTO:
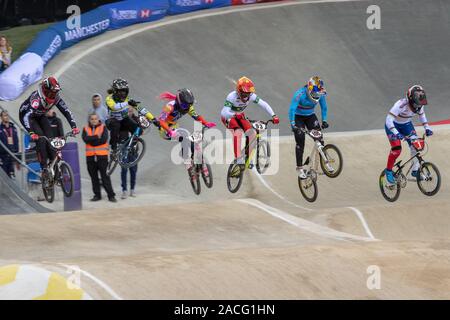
(33, 107)
(234, 104)
(401, 113)
(170, 115)
(119, 110)
(302, 105)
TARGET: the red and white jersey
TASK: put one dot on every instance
(401, 113)
(234, 104)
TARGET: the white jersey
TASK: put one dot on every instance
(401, 113)
(234, 104)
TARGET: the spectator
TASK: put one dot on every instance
(5, 53)
(95, 135)
(99, 108)
(133, 170)
(57, 129)
(9, 138)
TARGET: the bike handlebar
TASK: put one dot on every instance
(67, 135)
(265, 122)
(406, 138)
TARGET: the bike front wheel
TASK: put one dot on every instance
(428, 179)
(308, 188)
(332, 165)
(389, 192)
(194, 179)
(262, 156)
(66, 179)
(134, 155)
(235, 175)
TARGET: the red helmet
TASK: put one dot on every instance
(245, 88)
(416, 97)
(49, 90)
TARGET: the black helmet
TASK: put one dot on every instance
(416, 97)
(185, 99)
(120, 89)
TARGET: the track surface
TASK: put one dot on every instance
(269, 243)
(13, 200)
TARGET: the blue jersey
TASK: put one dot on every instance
(302, 105)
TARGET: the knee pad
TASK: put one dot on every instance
(396, 150)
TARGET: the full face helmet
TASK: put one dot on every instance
(244, 88)
(416, 97)
(315, 88)
(120, 89)
(185, 99)
(48, 90)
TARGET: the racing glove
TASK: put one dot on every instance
(275, 119)
(172, 134)
(34, 136)
(210, 124)
(428, 132)
(399, 136)
(75, 131)
(156, 122)
(133, 103)
(325, 124)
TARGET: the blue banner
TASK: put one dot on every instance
(183, 6)
(93, 23)
(47, 44)
(126, 13)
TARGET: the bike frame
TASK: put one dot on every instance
(254, 142)
(317, 149)
(58, 157)
(400, 166)
(198, 147)
(129, 141)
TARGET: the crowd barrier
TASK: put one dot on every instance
(48, 43)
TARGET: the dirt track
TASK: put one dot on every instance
(252, 248)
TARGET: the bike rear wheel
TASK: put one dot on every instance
(389, 192)
(112, 164)
(66, 179)
(194, 179)
(262, 156)
(332, 166)
(235, 176)
(135, 152)
(308, 188)
(429, 179)
(207, 177)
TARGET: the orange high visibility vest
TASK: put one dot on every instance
(101, 150)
